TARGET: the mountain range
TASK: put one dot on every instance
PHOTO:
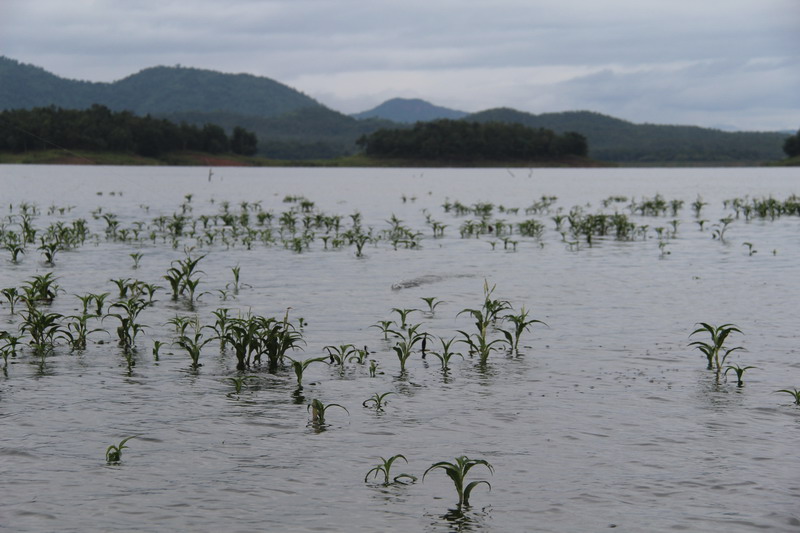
(292, 125)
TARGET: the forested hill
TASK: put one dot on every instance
(612, 139)
(410, 110)
(156, 90)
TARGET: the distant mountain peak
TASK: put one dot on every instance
(410, 110)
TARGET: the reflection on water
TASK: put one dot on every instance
(605, 417)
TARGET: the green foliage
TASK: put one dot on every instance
(100, 129)
(457, 471)
(385, 468)
(716, 343)
(794, 393)
(114, 452)
(376, 401)
(458, 140)
(318, 409)
(791, 146)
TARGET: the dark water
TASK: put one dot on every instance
(606, 419)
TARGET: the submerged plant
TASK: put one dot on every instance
(715, 345)
(238, 382)
(739, 372)
(377, 401)
(300, 367)
(317, 410)
(385, 467)
(446, 353)
(457, 471)
(433, 303)
(795, 393)
(521, 323)
(114, 452)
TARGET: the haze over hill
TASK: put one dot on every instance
(410, 110)
(290, 125)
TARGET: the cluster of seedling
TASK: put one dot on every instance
(270, 343)
(457, 472)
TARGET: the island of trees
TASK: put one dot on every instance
(100, 129)
(461, 141)
(792, 145)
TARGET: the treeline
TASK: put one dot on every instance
(791, 146)
(463, 141)
(100, 129)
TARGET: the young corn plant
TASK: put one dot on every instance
(521, 323)
(377, 401)
(43, 328)
(715, 345)
(739, 373)
(318, 409)
(404, 347)
(385, 468)
(433, 303)
(238, 383)
(12, 296)
(446, 353)
(403, 315)
(339, 355)
(385, 326)
(193, 344)
(795, 393)
(128, 328)
(300, 367)
(457, 471)
(114, 452)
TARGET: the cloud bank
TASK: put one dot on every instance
(731, 65)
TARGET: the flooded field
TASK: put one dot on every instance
(603, 417)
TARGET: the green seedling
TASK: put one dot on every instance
(42, 288)
(156, 348)
(12, 296)
(193, 345)
(373, 368)
(114, 452)
(713, 348)
(795, 393)
(49, 251)
(128, 328)
(480, 345)
(99, 300)
(377, 401)
(385, 469)
(721, 228)
(15, 249)
(432, 303)
(750, 249)
(385, 326)
(43, 328)
(239, 382)
(339, 354)
(403, 315)
(77, 331)
(457, 472)
(137, 258)
(446, 353)
(739, 372)
(318, 409)
(521, 324)
(360, 356)
(404, 348)
(300, 367)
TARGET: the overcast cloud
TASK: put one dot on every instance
(732, 64)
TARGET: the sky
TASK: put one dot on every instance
(728, 64)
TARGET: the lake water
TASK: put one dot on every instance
(605, 419)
